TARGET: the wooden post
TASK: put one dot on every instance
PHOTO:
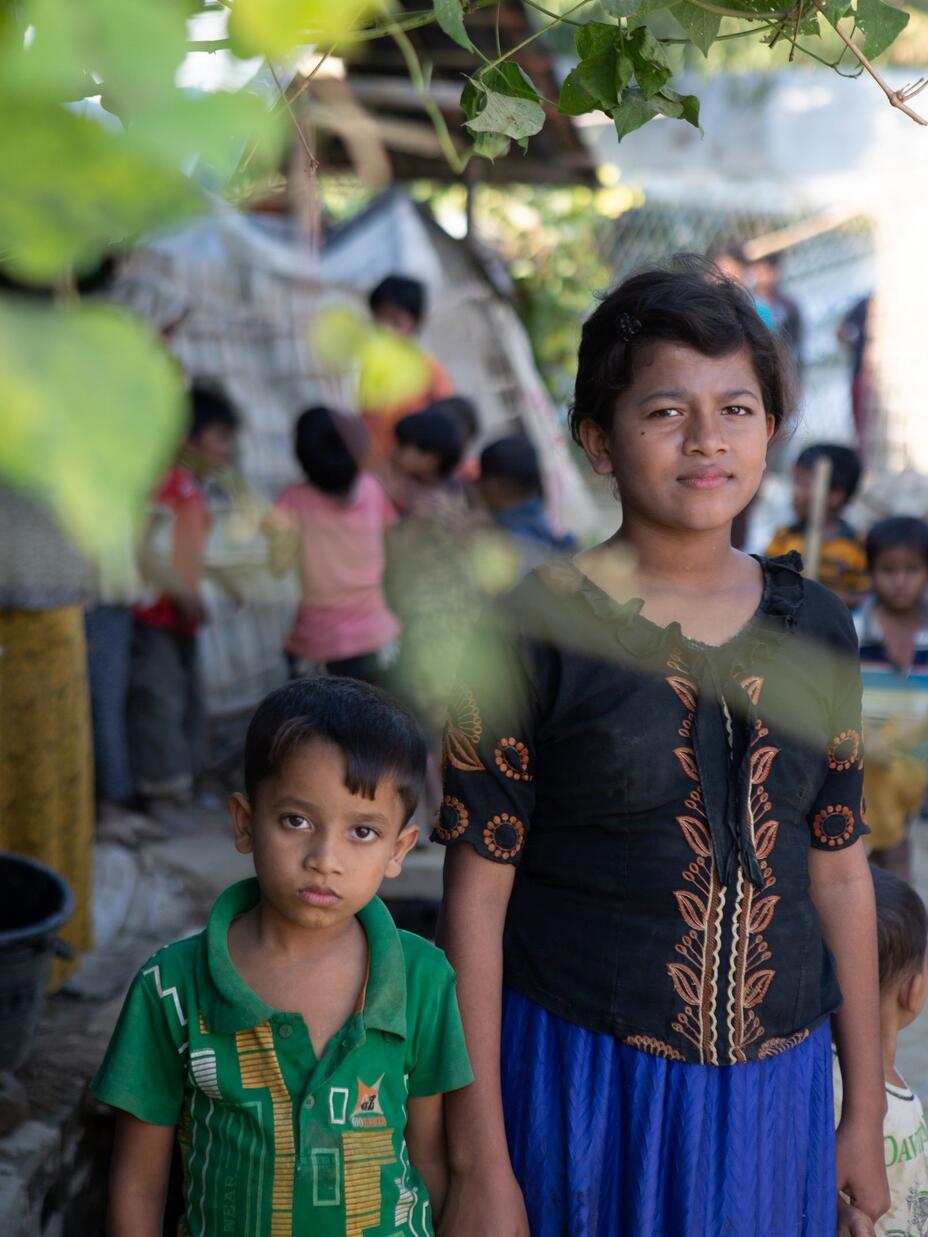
(818, 512)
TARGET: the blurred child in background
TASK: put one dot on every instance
(512, 490)
(167, 717)
(892, 627)
(339, 517)
(398, 304)
(843, 561)
(902, 939)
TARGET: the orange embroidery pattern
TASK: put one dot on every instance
(843, 751)
(753, 685)
(773, 1047)
(695, 977)
(834, 825)
(504, 836)
(462, 734)
(512, 759)
(750, 977)
(459, 816)
(656, 1047)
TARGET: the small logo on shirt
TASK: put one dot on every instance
(367, 1111)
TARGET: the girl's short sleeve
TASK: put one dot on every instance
(488, 750)
(838, 815)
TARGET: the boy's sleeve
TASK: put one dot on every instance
(144, 1067)
(438, 1058)
(488, 752)
(838, 816)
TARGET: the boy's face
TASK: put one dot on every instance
(900, 577)
(395, 318)
(216, 445)
(320, 852)
(421, 466)
(802, 495)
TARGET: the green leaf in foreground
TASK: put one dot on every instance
(881, 25)
(633, 112)
(69, 189)
(92, 410)
(652, 69)
(701, 25)
(505, 114)
(450, 16)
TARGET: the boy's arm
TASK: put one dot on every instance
(139, 1173)
(842, 889)
(425, 1138)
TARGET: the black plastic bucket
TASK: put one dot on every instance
(34, 903)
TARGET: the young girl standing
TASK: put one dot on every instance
(656, 765)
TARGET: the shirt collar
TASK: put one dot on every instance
(229, 1005)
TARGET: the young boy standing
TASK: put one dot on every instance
(300, 1045)
(892, 628)
(843, 561)
(902, 940)
(166, 713)
(512, 490)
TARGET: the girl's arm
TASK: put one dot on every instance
(842, 889)
(425, 1139)
(483, 1196)
(139, 1173)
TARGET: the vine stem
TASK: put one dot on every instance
(414, 69)
(739, 14)
(537, 35)
(897, 98)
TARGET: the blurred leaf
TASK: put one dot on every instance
(701, 25)
(514, 117)
(92, 410)
(623, 8)
(509, 79)
(633, 112)
(596, 36)
(652, 69)
(274, 27)
(881, 25)
(575, 100)
(69, 190)
(450, 16)
(133, 47)
(394, 370)
(337, 334)
(213, 127)
(491, 145)
(494, 562)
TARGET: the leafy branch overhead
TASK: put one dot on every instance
(625, 67)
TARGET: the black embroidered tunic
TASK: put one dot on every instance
(659, 798)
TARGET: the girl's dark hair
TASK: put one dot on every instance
(399, 290)
(435, 431)
(687, 302)
(378, 737)
(901, 926)
(845, 465)
(897, 531)
(329, 446)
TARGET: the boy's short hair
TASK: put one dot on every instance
(377, 736)
(901, 926)
(400, 290)
(895, 532)
(463, 411)
(515, 460)
(210, 406)
(329, 446)
(436, 432)
(845, 465)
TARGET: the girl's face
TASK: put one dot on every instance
(689, 438)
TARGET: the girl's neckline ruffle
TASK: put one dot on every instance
(776, 615)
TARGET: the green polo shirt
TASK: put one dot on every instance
(274, 1141)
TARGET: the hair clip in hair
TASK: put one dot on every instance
(628, 327)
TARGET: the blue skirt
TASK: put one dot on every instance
(608, 1141)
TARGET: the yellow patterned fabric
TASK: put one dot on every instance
(46, 770)
(843, 561)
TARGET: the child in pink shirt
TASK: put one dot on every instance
(340, 516)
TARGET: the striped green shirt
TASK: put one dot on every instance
(275, 1142)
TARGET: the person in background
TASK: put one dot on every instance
(854, 333)
(892, 627)
(300, 1013)
(464, 411)
(398, 304)
(729, 260)
(339, 516)
(512, 490)
(902, 941)
(780, 311)
(843, 561)
(166, 711)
